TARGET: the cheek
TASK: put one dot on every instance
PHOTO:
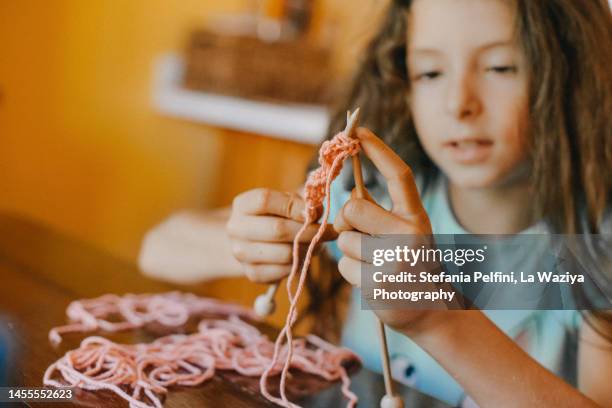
(509, 125)
(427, 110)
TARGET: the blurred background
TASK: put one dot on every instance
(115, 114)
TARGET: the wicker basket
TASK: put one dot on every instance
(248, 67)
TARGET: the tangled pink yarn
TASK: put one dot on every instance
(171, 309)
(332, 155)
(142, 373)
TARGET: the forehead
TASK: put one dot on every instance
(439, 24)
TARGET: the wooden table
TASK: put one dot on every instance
(41, 271)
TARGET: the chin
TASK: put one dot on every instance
(474, 178)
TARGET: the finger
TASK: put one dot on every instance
(400, 180)
(340, 224)
(350, 242)
(262, 252)
(366, 194)
(273, 229)
(266, 273)
(362, 215)
(350, 269)
(264, 201)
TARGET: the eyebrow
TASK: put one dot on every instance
(484, 47)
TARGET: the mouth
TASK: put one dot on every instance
(469, 150)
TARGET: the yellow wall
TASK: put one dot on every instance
(81, 147)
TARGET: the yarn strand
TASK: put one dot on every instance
(332, 155)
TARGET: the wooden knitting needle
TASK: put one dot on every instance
(389, 400)
(264, 304)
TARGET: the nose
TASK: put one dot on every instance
(462, 97)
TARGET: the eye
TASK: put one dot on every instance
(427, 76)
(502, 69)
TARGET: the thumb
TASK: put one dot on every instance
(366, 195)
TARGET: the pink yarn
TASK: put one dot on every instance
(168, 309)
(332, 154)
(317, 189)
(142, 373)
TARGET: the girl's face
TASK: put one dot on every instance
(469, 91)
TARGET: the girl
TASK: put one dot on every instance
(492, 116)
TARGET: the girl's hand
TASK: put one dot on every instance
(360, 216)
(261, 228)
(486, 362)
(189, 247)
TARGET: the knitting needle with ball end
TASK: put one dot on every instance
(389, 400)
(265, 304)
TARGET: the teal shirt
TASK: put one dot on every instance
(545, 334)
